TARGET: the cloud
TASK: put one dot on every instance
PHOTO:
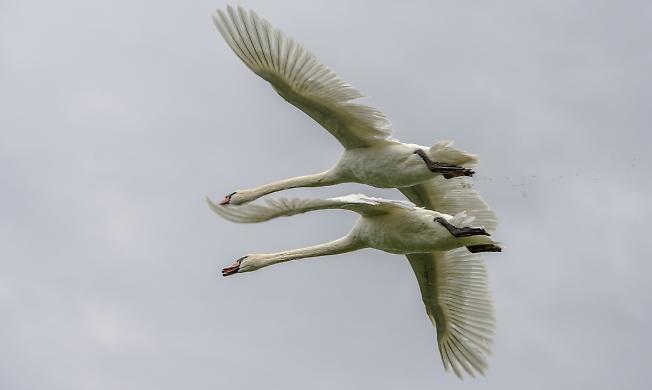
(118, 118)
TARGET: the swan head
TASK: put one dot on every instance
(234, 268)
(236, 198)
(244, 264)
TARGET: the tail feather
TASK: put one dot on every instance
(462, 219)
(443, 151)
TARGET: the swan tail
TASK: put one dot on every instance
(444, 152)
(462, 219)
(480, 241)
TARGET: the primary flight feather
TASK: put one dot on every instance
(370, 155)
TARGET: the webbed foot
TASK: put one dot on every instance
(484, 248)
(463, 231)
(447, 170)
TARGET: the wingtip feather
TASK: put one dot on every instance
(268, 52)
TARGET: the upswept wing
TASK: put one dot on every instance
(454, 284)
(302, 80)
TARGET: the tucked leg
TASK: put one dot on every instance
(461, 232)
(447, 170)
(484, 248)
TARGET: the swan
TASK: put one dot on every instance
(453, 281)
(371, 156)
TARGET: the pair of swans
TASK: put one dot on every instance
(434, 230)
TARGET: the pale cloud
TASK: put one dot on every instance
(119, 117)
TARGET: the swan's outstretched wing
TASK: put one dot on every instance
(454, 290)
(451, 196)
(302, 80)
(454, 283)
(284, 207)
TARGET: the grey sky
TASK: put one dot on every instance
(118, 117)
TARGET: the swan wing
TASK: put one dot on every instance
(284, 207)
(454, 290)
(301, 79)
(454, 284)
(452, 196)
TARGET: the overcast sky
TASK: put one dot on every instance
(118, 117)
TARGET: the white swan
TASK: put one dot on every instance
(453, 282)
(370, 157)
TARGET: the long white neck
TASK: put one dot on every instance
(316, 180)
(345, 244)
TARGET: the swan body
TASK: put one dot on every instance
(453, 282)
(378, 166)
(412, 232)
(392, 226)
(371, 155)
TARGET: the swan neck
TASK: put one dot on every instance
(325, 178)
(341, 245)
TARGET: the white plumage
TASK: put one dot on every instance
(453, 282)
(370, 155)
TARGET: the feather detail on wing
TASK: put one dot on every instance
(284, 207)
(301, 79)
(454, 284)
(454, 290)
(452, 196)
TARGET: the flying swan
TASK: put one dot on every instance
(370, 155)
(452, 279)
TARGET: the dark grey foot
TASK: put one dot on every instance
(447, 170)
(461, 232)
(484, 248)
(233, 268)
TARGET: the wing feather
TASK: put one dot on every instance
(283, 207)
(452, 196)
(459, 304)
(301, 79)
(454, 284)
